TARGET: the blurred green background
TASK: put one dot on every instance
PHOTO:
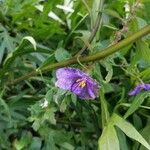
(36, 115)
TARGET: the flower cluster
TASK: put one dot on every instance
(77, 82)
(83, 85)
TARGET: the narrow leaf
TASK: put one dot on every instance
(122, 139)
(129, 130)
(11, 57)
(138, 100)
(112, 13)
(31, 40)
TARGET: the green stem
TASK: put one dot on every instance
(104, 109)
(98, 56)
(95, 28)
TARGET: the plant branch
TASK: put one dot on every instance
(98, 56)
(95, 28)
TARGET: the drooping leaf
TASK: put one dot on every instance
(10, 58)
(31, 40)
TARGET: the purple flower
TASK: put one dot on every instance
(77, 82)
(139, 88)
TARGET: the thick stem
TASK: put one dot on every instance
(98, 56)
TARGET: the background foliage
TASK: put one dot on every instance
(34, 114)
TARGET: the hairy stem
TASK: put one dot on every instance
(98, 56)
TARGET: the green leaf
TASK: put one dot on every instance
(96, 8)
(24, 141)
(145, 133)
(31, 40)
(20, 49)
(104, 109)
(49, 60)
(67, 146)
(50, 115)
(137, 101)
(36, 125)
(5, 109)
(112, 13)
(50, 144)
(63, 104)
(141, 22)
(129, 130)
(36, 143)
(122, 139)
(85, 34)
(23, 50)
(62, 54)
(145, 74)
(49, 95)
(143, 50)
(110, 26)
(137, 121)
(108, 139)
(7, 42)
(109, 70)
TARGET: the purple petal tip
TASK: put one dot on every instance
(139, 88)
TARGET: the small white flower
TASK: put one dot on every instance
(44, 104)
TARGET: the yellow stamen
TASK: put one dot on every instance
(82, 84)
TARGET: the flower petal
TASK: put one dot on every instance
(81, 92)
(136, 90)
(85, 92)
(92, 89)
(65, 83)
(66, 78)
(147, 87)
(68, 72)
(77, 82)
